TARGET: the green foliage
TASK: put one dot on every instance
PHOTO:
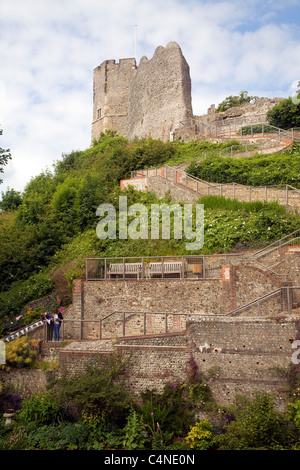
(95, 423)
(172, 409)
(256, 129)
(230, 223)
(257, 170)
(12, 439)
(39, 408)
(135, 436)
(19, 353)
(95, 389)
(294, 412)
(65, 436)
(32, 315)
(233, 101)
(11, 199)
(46, 238)
(201, 436)
(257, 425)
(23, 292)
(5, 155)
(286, 114)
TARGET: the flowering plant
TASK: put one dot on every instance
(155, 434)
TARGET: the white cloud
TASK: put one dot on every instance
(50, 48)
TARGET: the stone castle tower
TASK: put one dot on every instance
(151, 99)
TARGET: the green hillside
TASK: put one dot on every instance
(47, 232)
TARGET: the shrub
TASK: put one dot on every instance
(201, 436)
(95, 389)
(39, 408)
(172, 409)
(257, 425)
(233, 101)
(20, 353)
(135, 435)
(286, 114)
(32, 315)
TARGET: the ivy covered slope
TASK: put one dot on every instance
(47, 232)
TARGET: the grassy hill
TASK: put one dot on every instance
(45, 240)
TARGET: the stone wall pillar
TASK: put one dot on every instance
(78, 305)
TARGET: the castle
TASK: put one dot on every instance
(154, 99)
(151, 99)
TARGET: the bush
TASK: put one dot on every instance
(257, 170)
(256, 129)
(233, 101)
(257, 425)
(286, 114)
(135, 436)
(39, 408)
(20, 353)
(32, 315)
(95, 390)
(172, 409)
(201, 436)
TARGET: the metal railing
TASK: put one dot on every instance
(23, 331)
(191, 267)
(285, 194)
(116, 325)
(226, 129)
(277, 245)
(125, 324)
(285, 301)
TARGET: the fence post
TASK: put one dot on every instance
(287, 194)
(123, 323)
(166, 322)
(100, 329)
(288, 299)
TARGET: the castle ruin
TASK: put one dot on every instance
(154, 100)
(151, 99)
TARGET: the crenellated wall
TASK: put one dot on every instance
(151, 99)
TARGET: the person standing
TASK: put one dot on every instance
(50, 326)
(58, 318)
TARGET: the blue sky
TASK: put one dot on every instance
(50, 48)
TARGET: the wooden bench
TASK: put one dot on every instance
(173, 267)
(120, 269)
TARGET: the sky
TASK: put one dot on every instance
(49, 49)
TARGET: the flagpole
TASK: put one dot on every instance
(135, 40)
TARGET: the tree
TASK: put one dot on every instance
(287, 113)
(233, 101)
(11, 199)
(4, 157)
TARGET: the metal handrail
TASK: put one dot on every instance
(279, 241)
(23, 330)
(219, 186)
(264, 297)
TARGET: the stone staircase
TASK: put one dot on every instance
(167, 179)
(176, 175)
